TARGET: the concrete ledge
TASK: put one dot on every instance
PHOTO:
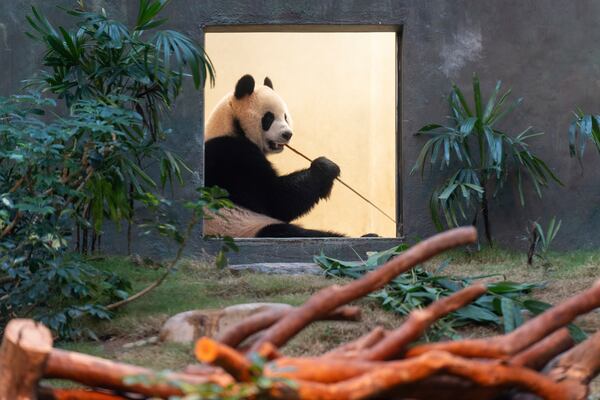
(292, 268)
(299, 250)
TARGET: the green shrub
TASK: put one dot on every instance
(502, 305)
(140, 69)
(62, 175)
(481, 157)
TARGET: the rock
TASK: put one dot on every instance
(280, 268)
(188, 326)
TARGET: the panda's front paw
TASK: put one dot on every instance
(326, 167)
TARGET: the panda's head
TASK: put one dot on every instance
(261, 115)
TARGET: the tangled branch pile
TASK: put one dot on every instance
(537, 360)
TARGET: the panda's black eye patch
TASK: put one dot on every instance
(267, 120)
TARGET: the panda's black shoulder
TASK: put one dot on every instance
(234, 150)
(232, 145)
(237, 155)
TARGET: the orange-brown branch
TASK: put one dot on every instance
(579, 366)
(9, 228)
(390, 376)
(98, 372)
(212, 352)
(24, 350)
(351, 349)
(417, 323)
(239, 332)
(76, 394)
(538, 355)
(328, 299)
(527, 334)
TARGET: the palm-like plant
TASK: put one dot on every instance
(481, 156)
(137, 68)
(584, 127)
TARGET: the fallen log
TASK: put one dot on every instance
(328, 299)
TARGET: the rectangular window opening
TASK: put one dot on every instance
(341, 88)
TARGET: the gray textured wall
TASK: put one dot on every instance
(546, 51)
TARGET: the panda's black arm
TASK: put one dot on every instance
(237, 165)
(297, 193)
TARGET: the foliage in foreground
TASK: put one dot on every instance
(139, 69)
(61, 172)
(481, 158)
(43, 174)
(41, 191)
(501, 306)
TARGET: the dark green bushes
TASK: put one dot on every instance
(481, 158)
(62, 175)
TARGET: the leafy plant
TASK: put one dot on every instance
(584, 127)
(540, 241)
(502, 305)
(137, 68)
(43, 169)
(60, 171)
(481, 157)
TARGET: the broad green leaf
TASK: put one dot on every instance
(511, 314)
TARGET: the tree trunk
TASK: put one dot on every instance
(130, 220)
(486, 218)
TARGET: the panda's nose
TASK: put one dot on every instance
(287, 135)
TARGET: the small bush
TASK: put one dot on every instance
(481, 158)
(62, 176)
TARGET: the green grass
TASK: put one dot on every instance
(199, 285)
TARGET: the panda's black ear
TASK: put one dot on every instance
(244, 87)
(268, 83)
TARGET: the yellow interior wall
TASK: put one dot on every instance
(340, 90)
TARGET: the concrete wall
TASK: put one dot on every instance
(547, 51)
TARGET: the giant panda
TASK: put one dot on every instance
(246, 126)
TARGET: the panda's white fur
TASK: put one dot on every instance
(245, 126)
(236, 222)
(248, 111)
